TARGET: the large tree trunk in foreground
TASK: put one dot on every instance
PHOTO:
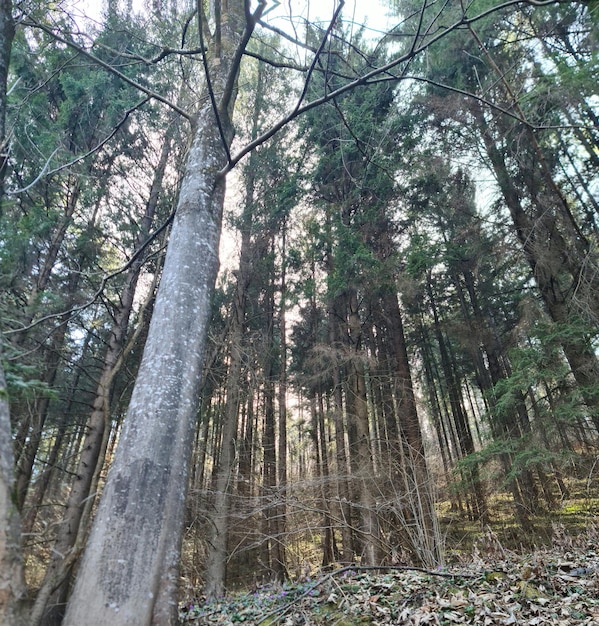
(129, 573)
(12, 583)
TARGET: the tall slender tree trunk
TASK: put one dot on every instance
(361, 451)
(282, 417)
(329, 548)
(7, 32)
(29, 452)
(129, 574)
(426, 542)
(343, 490)
(12, 581)
(43, 482)
(273, 555)
(218, 531)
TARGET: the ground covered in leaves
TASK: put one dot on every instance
(551, 587)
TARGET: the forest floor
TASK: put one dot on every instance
(544, 588)
(552, 582)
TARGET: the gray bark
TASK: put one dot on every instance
(129, 573)
(12, 582)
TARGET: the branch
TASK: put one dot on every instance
(370, 77)
(250, 25)
(102, 286)
(81, 157)
(280, 612)
(284, 35)
(318, 53)
(221, 110)
(278, 64)
(110, 68)
(215, 108)
(37, 178)
(167, 51)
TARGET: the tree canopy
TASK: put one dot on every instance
(397, 338)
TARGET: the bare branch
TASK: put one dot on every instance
(287, 36)
(99, 292)
(318, 53)
(36, 179)
(250, 25)
(110, 68)
(165, 52)
(371, 76)
(215, 108)
(81, 157)
(278, 613)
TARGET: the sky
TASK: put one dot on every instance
(371, 12)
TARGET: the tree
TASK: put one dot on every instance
(148, 479)
(12, 582)
(129, 571)
(555, 240)
(98, 425)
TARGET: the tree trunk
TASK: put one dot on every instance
(129, 574)
(273, 555)
(12, 581)
(7, 32)
(219, 516)
(282, 421)
(420, 499)
(364, 475)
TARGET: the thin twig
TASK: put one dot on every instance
(102, 286)
(375, 74)
(317, 55)
(209, 88)
(109, 68)
(280, 612)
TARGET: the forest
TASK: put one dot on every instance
(293, 292)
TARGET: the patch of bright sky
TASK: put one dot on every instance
(374, 14)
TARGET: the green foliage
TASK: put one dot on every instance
(21, 383)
